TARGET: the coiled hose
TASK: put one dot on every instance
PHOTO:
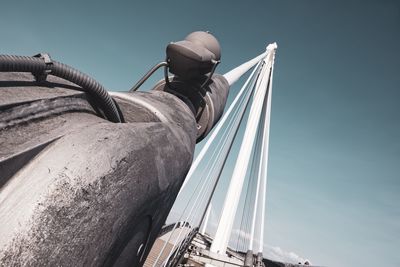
(38, 66)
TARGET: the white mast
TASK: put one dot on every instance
(258, 219)
(259, 152)
(204, 227)
(235, 74)
(231, 76)
(264, 163)
(224, 229)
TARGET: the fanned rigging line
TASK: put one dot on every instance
(183, 213)
(198, 184)
(239, 238)
(228, 148)
(256, 173)
(212, 137)
(208, 178)
(231, 138)
(218, 127)
(260, 146)
(256, 83)
(265, 159)
(246, 227)
(224, 229)
(235, 119)
(233, 129)
(238, 121)
(255, 179)
(189, 216)
(244, 214)
(188, 203)
(253, 172)
(246, 206)
(245, 220)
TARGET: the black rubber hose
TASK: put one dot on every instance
(37, 66)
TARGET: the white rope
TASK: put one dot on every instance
(264, 159)
(237, 108)
(259, 145)
(183, 212)
(180, 219)
(216, 131)
(232, 125)
(214, 160)
(225, 225)
(206, 181)
(235, 74)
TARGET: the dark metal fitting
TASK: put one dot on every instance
(47, 60)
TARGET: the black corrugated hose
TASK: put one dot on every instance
(37, 66)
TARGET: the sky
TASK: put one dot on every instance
(334, 164)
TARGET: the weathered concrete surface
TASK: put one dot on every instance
(86, 192)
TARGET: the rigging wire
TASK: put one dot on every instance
(248, 200)
(244, 224)
(226, 149)
(205, 188)
(256, 153)
(260, 143)
(206, 180)
(180, 218)
(218, 127)
(196, 190)
(231, 136)
(252, 189)
(237, 120)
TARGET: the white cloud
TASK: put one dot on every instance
(236, 232)
(270, 252)
(274, 253)
(278, 254)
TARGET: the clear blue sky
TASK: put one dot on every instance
(333, 185)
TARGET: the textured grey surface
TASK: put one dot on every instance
(207, 104)
(86, 188)
(17, 88)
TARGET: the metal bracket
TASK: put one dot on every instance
(40, 77)
(147, 75)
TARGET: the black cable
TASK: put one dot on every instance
(39, 67)
(241, 239)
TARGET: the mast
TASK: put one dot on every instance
(232, 76)
(264, 162)
(225, 225)
(204, 226)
